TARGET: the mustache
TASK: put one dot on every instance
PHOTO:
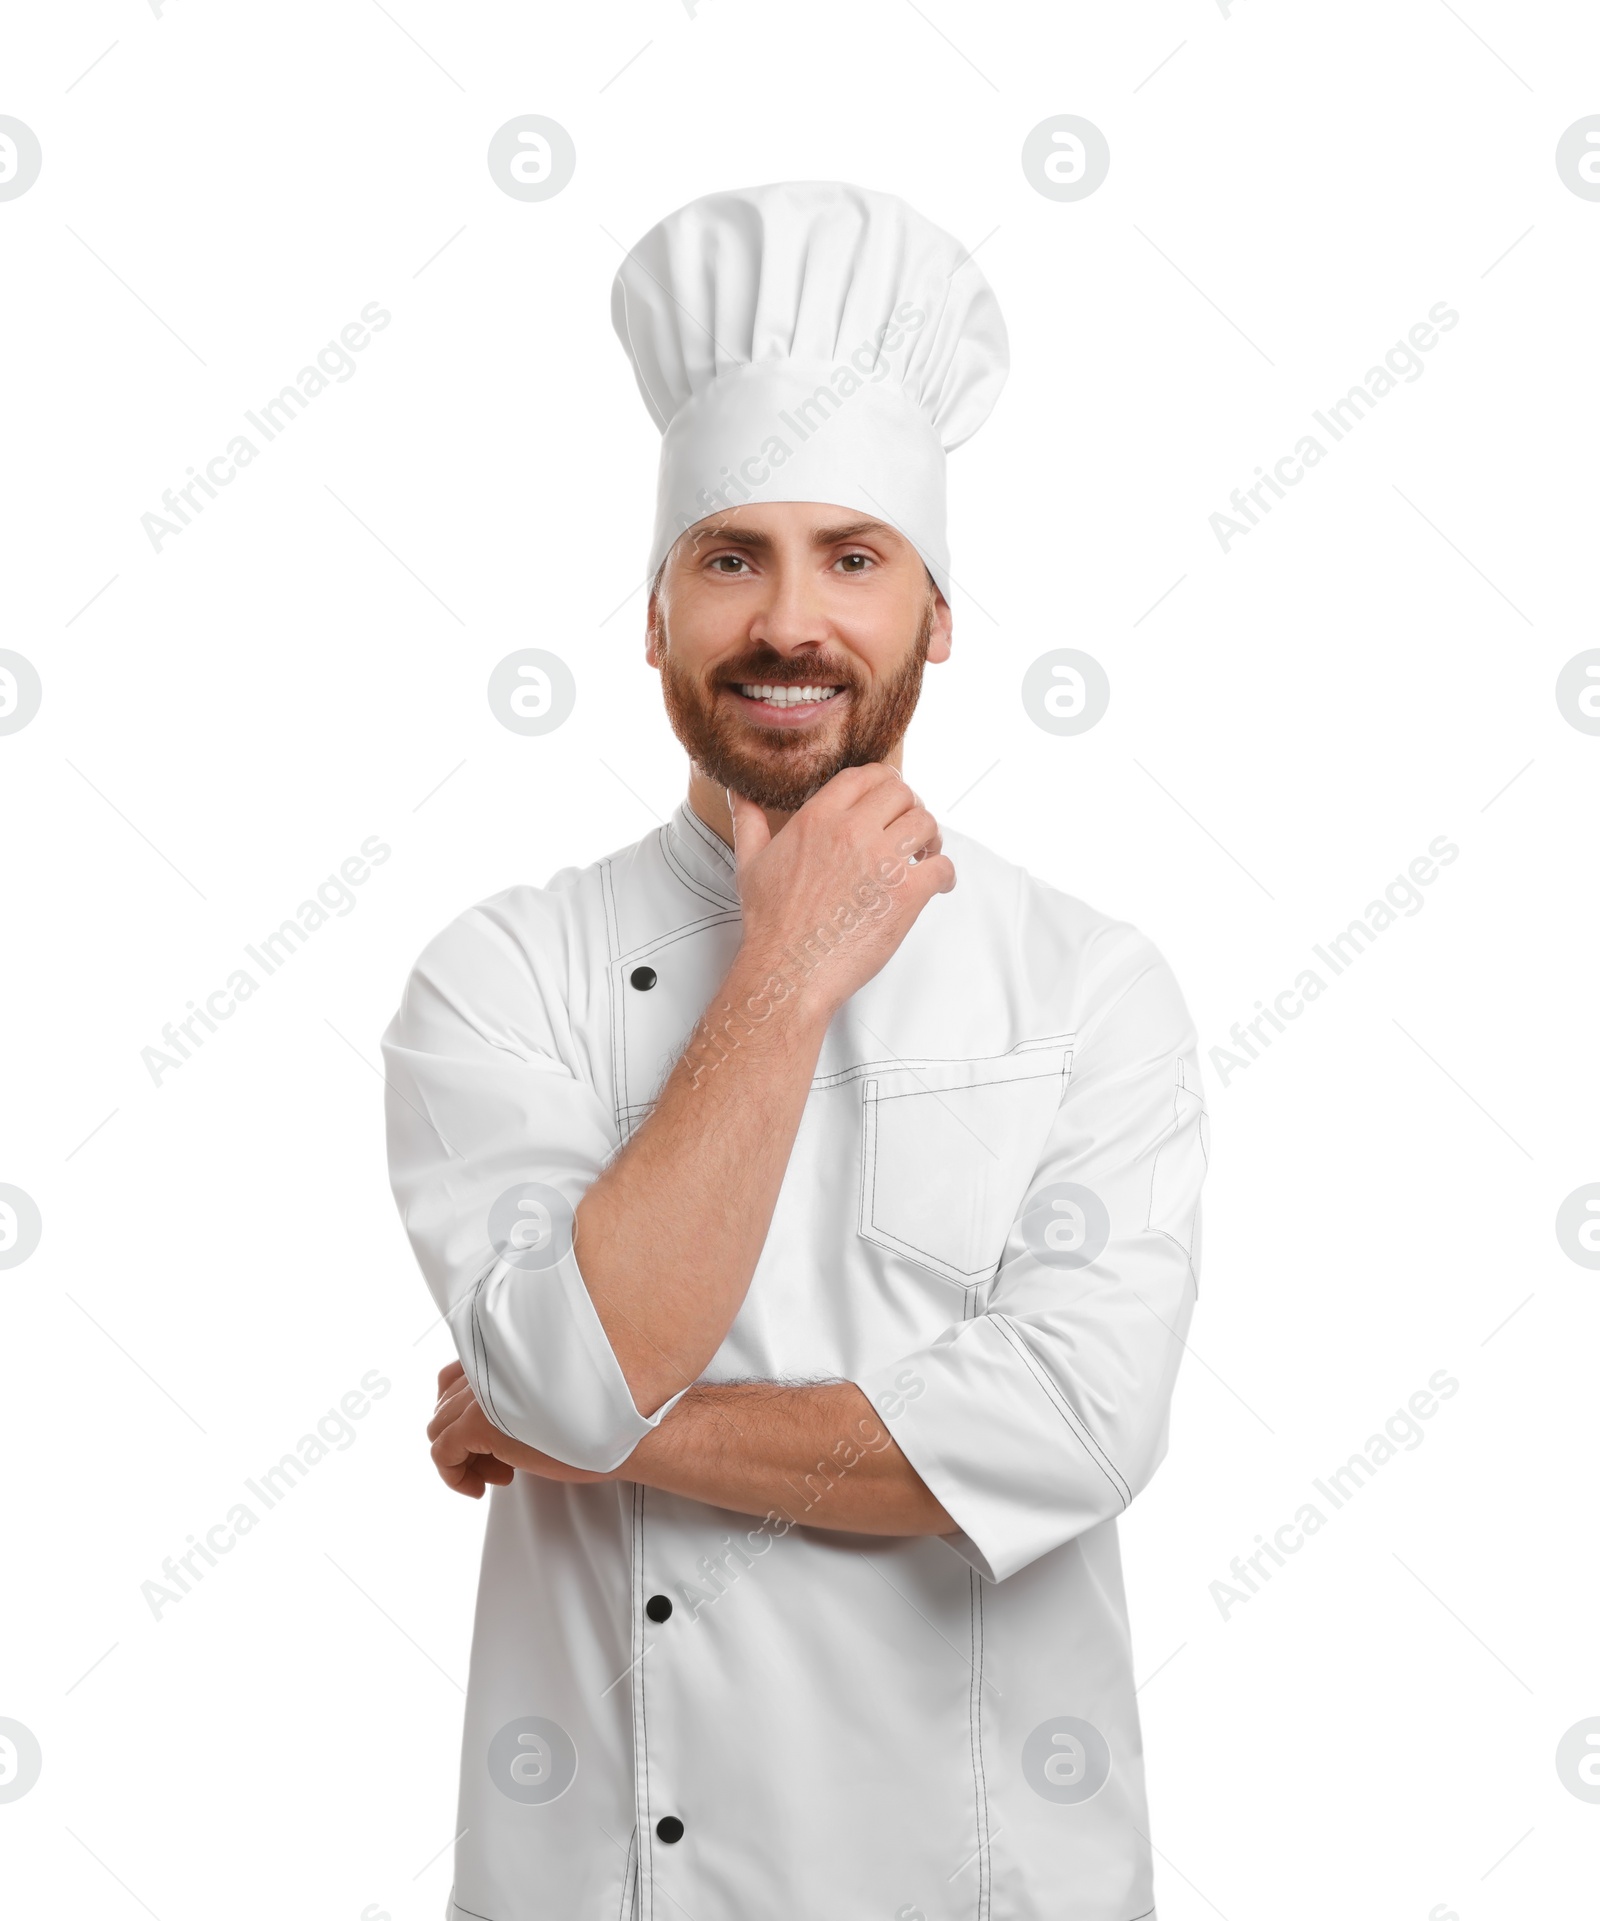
(780, 673)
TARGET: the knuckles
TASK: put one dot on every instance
(828, 853)
(851, 782)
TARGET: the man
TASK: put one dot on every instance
(812, 1197)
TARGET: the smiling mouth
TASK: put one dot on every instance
(772, 694)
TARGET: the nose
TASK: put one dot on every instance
(791, 617)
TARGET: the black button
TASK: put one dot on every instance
(670, 1828)
(658, 1607)
(643, 977)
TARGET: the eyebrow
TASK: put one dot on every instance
(755, 541)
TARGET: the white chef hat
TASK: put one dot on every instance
(808, 340)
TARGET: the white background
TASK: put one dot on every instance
(226, 720)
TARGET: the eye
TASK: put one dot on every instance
(846, 560)
(737, 560)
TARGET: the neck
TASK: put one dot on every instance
(708, 800)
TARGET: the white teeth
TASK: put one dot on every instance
(786, 696)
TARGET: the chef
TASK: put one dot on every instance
(811, 1193)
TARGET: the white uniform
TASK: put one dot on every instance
(989, 1222)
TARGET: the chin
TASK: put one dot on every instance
(782, 787)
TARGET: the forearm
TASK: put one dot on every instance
(818, 1455)
(668, 1237)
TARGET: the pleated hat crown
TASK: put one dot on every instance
(808, 340)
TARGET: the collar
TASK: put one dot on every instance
(705, 853)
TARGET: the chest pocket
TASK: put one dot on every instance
(948, 1149)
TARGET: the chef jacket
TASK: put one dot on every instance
(989, 1222)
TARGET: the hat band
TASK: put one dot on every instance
(791, 430)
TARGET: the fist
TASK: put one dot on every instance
(471, 1453)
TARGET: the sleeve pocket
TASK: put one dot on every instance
(1181, 1156)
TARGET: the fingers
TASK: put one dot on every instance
(934, 875)
(453, 1403)
(463, 1480)
(464, 1442)
(892, 806)
(884, 801)
(472, 1475)
(452, 1446)
(457, 1433)
(914, 833)
(878, 794)
(460, 1432)
(857, 786)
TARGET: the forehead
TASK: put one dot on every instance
(768, 524)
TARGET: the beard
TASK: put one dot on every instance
(771, 766)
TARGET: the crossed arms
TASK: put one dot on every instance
(816, 1454)
(1028, 1423)
(668, 1237)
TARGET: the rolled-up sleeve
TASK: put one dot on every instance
(1046, 1413)
(487, 1124)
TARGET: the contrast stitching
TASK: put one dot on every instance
(1092, 1447)
(642, 1825)
(681, 932)
(1184, 1251)
(870, 1227)
(1164, 1140)
(936, 1264)
(872, 1230)
(1000, 1080)
(715, 845)
(1170, 1134)
(869, 1156)
(1020, 1051)
(619, 1077)
(683, 874)
(480, 1344)
(630, 1887)
(975, 1726)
